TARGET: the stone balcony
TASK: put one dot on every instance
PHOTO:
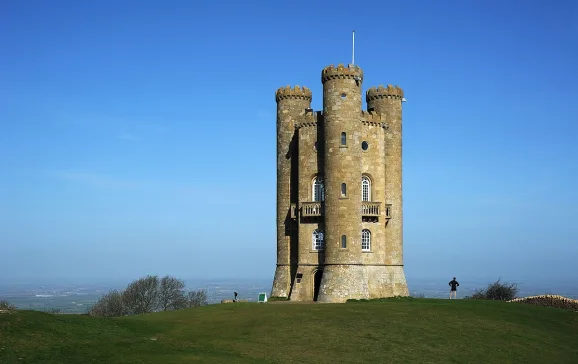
(370, 208)
(314, 209)
(309, 209)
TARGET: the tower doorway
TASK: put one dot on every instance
(316, 283)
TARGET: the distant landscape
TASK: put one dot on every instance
(75, 297)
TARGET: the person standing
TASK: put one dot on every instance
(454, 284)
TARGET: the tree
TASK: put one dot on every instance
(109, 305)
(172, 294)
(148, 294)
(141, 296)
(197, 298)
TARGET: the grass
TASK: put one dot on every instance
(392, 331)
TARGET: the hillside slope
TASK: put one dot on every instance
(393, 331)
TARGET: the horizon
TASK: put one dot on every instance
(139, 138)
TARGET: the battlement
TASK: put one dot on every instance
(309, 118)
(373, 119)
(342, 72)
(389, 92)
(296, 93)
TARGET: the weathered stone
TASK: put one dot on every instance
(309, 145)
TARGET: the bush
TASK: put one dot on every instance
(496, 291)
(148, 294)
(197, 298)
(5, 305)
(109, 305)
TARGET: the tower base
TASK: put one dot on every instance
(343, 282)
(282, 281)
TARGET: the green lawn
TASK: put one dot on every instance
(391, 331)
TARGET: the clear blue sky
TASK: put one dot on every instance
(138, 137)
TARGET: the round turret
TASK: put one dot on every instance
(389, 92)
(296, 93)
(341, 72)
(291, 105)
(342, 172)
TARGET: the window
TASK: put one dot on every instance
(343, 190)
(343, 241)
(318, 243)
(365, 240)
(318, 192)
(343, 138)
(364, 145)
(365, 189)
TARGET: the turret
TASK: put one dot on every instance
(342, 111)
(291, 105)
(388, 100)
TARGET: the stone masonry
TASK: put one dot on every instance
(339, 191)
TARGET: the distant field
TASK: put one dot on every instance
(392, 331)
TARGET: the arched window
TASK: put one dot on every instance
(365, 240)
(343, 190)
(318, 192)
(343, 138)
(317, 240)
(365, 189)
(343, 241)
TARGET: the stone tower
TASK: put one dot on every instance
(339, 191)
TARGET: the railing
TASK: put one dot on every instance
(293, 211)
(370, 208)
(388, 211)
(311, 209)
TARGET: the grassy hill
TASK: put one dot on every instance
(391, 331)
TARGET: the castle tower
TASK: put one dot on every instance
(388, 100)
(291, 105)
(339, 192)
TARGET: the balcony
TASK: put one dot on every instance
(309, 209)
(370, 208)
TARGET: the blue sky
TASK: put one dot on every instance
(139, 137)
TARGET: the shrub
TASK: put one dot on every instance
(5, 305)
(109, 305)
(197, 298)
(496, 291)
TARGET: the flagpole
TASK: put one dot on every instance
(353, 49)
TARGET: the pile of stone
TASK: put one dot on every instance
(550, 300)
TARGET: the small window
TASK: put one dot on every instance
(364, 145)
(343, 96)
(318, 190)
(343, 241)
(317, 240)
(365, 240)
(343, 190)
(343, 138)
(365, 189)
(315, 146)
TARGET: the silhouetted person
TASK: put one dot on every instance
(235, 300)
(454, 284)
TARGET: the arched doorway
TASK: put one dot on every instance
(316, 283)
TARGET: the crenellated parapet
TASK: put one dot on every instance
(389, 92)
(342, 72)
(295, 93)
(309, 119)
(374, 119)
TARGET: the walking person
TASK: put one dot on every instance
(454, 284)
